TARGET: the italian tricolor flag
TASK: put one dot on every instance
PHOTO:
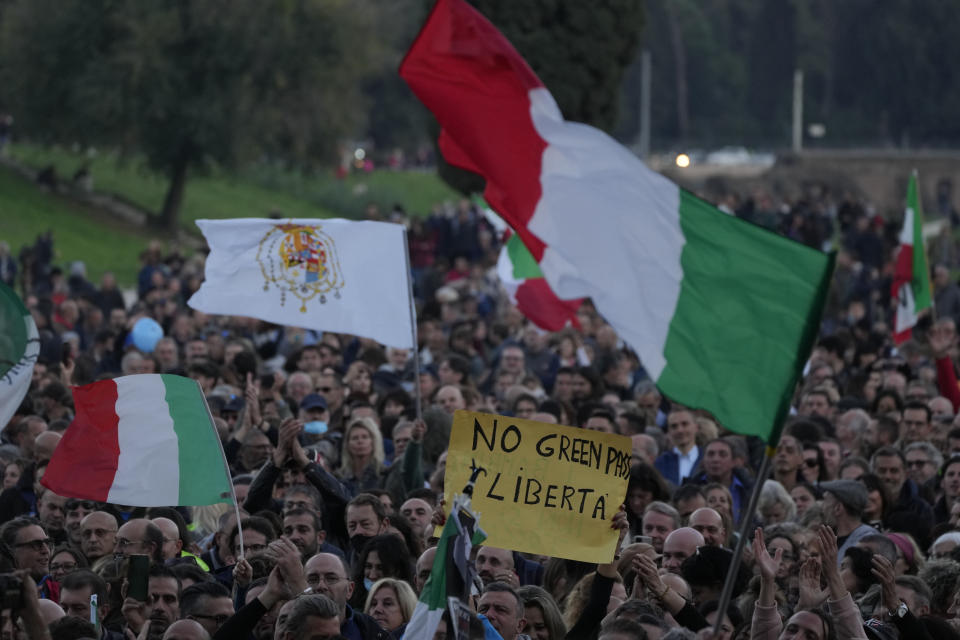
(721, 312)
(144, 440)
(911, 279)
(523, 281)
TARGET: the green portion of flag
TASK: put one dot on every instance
(524, 266)
(13, 329)
(921, 272)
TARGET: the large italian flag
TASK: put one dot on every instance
(911, 277)
(722, 313)
(144, 440)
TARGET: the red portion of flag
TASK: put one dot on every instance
(85, 462)
(540, 305)
(477, 86)
(902, 278)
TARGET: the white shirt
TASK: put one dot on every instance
(686, 461)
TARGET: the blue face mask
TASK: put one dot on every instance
(367, 584)
(315, 427)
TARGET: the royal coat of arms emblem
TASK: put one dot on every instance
(301, 260)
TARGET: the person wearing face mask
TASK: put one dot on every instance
(366, 517)
(383, 556)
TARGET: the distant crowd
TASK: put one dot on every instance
(857, 533)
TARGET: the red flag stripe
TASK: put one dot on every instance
(538, 303)
(91, 437)
(477, 85)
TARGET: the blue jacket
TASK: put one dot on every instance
(668, 464)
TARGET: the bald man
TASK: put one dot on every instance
(710, 525)
(172, 544)
(186, 630)
(496, 565)
(44, 445)
(419, 514)
(424, 566)
(680, 545)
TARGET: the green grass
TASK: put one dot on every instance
(79, 233)
(254, 192)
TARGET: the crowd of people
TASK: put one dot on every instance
(339, 482)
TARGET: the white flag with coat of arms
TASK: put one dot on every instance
(333, 275)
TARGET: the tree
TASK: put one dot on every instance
(580, 50)
(189, 84)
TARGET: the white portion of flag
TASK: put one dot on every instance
(612, 230)
(16, 382)
(347, 277)
(149, 458)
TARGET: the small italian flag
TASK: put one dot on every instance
(144, 440)
(19, 348)
(911, 278)
(722, 313)
(524, 283)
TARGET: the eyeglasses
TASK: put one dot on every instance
(63, 566)
(811, 462)
(917, 463)
(329, 579)
(36, 545)
(324, 389)
(217, 620)
(73, 503)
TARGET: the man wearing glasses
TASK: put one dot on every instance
(98, 535)
(208, 603)
(29, 545)
(327, 575)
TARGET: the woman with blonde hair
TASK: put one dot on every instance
(544, 620)
(361, 458)
(391, 603)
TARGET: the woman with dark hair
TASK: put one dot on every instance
(887, 401)
(731, 623)
(384, 556)
(645, 485)
(814, 470)
(877, 500)
(804, 495)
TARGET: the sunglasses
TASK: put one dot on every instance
(811, 462)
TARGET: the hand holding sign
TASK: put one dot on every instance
(542, 488)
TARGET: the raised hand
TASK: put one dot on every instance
(811, 595)
(768, 566)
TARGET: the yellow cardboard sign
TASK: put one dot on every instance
(543, 488)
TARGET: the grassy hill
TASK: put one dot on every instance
(103, 243)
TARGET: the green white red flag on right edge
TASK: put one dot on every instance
(911, 278)
(722, 313)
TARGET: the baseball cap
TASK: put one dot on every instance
(314, 401)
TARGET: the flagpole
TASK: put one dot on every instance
(746, 522)
(413, 329)
(226, 466)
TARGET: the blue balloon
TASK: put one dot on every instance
(146, 333)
